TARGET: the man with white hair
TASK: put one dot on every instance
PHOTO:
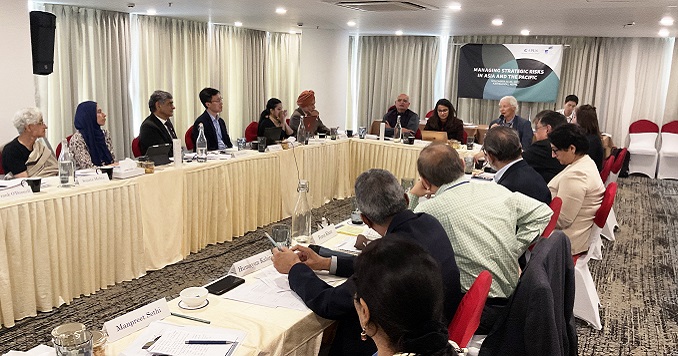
(507, 110)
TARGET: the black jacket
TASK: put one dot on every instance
(520, 177)
(539, 156)
(210, 132)
(153, 132)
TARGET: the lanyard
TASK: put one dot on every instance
(453, 186)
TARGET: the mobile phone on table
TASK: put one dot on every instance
(224, 284)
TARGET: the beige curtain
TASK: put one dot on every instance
(91, 62)
(172, 56)
(671, 104)
(237, 59)
(282, 69)
(391, 65)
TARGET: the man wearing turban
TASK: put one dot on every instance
(306, 103)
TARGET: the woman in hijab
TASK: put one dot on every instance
(90, 144)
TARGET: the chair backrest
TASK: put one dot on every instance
(642, 140)
(607, 168)
(136, 150)
(251, 131)
(556, 205)
(58, 149)
(429, 114)
(417, 135)
(374, 129)
(467, 317)
(641, 126)
(188, 138)
(606, 205)
(619, 161)
(671, 127)
(464, 137)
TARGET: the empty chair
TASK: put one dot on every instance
(617, 166)
(612, 224)
(595, 242)
(467, 317)
(607, 168)
(188, 139)
(643, 134)
(251, 131)
(136, 150)
(668, 153)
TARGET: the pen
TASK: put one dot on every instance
(275, 244)
(208, 342)
(191, 318)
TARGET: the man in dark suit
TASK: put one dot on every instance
(507, 117)
(157, 127)
(383, 207)
(502, 151)
(214, 126)
(539, 155)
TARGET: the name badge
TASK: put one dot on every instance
(324, 235)
(274, 148)
(136, 320)
(17, 191)
(251, 264)
(96, 179)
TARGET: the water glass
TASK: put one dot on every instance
(362, 132)
(468, 164)
(469, 143)
(261, 144)
(242, 143)
(333, 133)
(281, 235)
(72, 339)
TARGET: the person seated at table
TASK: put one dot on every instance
(213, 125)
(383, 206)
(568, 110)
(25, 156)
(306, 102)
(408, 119)
(91, 144)
(274, 116)
(508, 117)
(489, 226)
(502, 151)
(579, 185)
(157, 128)
(539, 155)
(398, 298)
(445, 119)
(587, 118)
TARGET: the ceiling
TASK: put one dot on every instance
(605, 18)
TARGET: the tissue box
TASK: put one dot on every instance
(128, 173)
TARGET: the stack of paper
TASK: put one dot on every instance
(40, 350)
(271, 289)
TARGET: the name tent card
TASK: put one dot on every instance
(324, 235)
(17, 191)
(239, 154)
(251, 264)
(96, 179)
(274, 148)
(136, 320)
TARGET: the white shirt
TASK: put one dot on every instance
(500, 173)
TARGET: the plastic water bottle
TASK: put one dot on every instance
(302, 137)
(201, 145)
(301, 220)
(398, 131)
(66, 166)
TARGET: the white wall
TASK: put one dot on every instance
(324, 69)
(16, 69)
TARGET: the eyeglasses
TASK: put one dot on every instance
(555, 150)
(538, 127)
(217, 101)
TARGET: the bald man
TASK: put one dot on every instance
(408, 119)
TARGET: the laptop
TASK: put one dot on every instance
(435, 136)
(159, 154)
(311, 124)
(272, 135)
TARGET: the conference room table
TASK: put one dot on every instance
(63, 243)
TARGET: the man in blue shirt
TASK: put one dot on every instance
(214, 126)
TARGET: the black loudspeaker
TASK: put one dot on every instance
(43, 25)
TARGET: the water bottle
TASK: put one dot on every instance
(301, 220)
(398, 131)
(302, 137)
(201, 145)
(66, 166)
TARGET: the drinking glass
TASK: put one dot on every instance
(362, 131)
(469, 143)
(281, 235)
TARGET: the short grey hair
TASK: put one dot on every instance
(158, 96)
(25, 117)
(439, 164)
(503, 143)
(379, 195)
(511, 100)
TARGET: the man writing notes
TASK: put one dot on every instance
(383, 206)
(489, 226)
(507, 117)
(213, 125)
(408, 119)
(157, 127)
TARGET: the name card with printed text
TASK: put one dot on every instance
(321, 236)
(251, 264)
(237, 154)
(136, 320)
(17, 191)
(96, 179)
(274, 148)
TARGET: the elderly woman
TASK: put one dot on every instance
(445, 119)
(25, 156)
(90, 144)
(274, 116)
(399, 294)
(578, 185)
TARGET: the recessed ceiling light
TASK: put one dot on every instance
(151, 12)
(399, 33)
(525, 32)
(666, 21)
(672, 6)
(280, 11)
(237, 24)
(663, 33)
(497, 22)
(455, 7)
(351, 23)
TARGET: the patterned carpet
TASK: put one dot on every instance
(636, 279)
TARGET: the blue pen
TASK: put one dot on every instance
(275, 244)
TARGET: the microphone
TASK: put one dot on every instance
(326, 252)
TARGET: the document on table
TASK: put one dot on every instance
(270, 289)
(348, 245)
(173, 343)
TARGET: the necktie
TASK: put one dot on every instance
(170, 127)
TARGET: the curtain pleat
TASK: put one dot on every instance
(282, 69)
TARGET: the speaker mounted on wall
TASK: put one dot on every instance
(43, 26)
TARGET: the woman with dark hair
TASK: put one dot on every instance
(91, 144)
(399, 294)
(445, 119)
(588, 120)
(274, 116)
(579, 184)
